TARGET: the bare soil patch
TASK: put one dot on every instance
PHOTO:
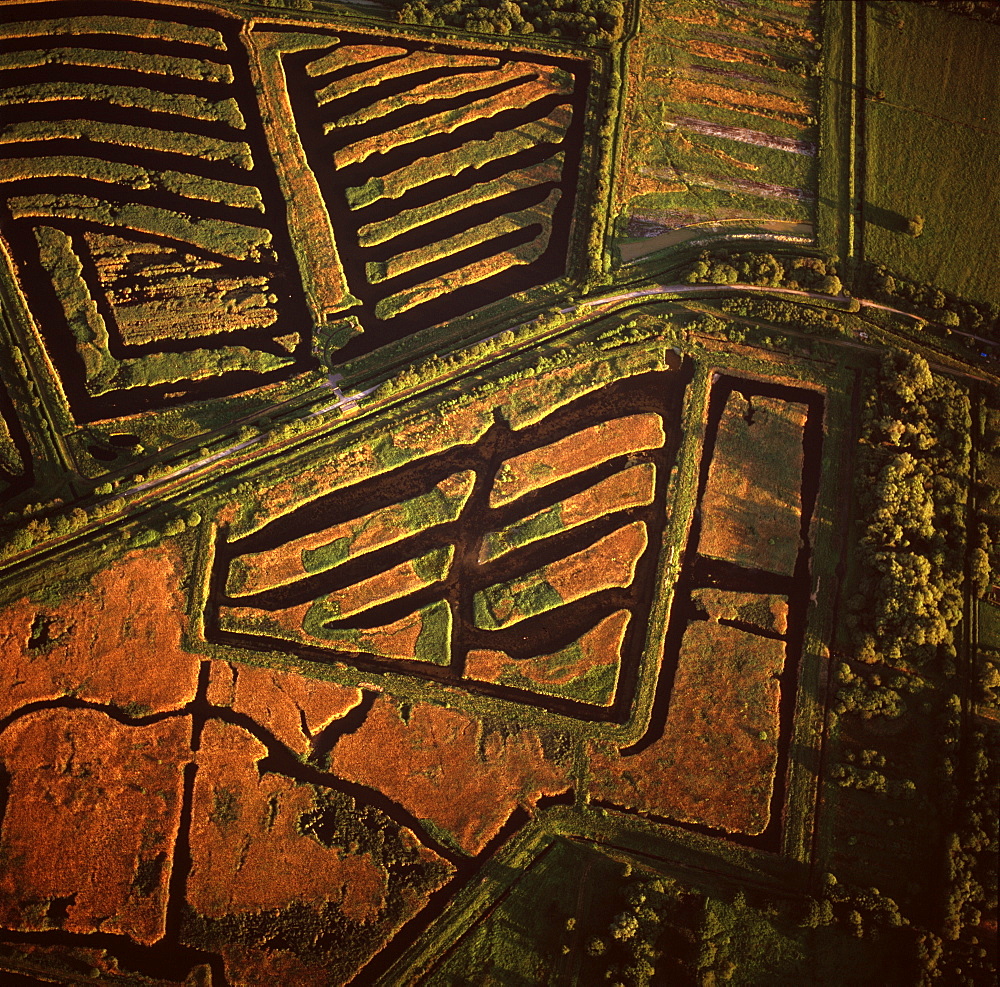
(90, 824)
(449, 768)
(118, 643)
(287, 704)
(714, 764)
(574, 454)
(248, 851)
(586, 671)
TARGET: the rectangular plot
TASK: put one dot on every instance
(424, 635)
(752, 504)
(479, 270)
(157, 292)
(714, 764)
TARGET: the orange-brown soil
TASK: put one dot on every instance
(752, 502)
(759, 104)
(92, 817)
(446, 87)
(415, 61)
(607, 563)
(726, 53)
(630, 488)
(476, 153)
(400, 580)
(248, 852)
(396, 640)
(574, 454)
(265, 966)
(705, 19)
(715, 762)
(764, 611)
(444, 768)
(119, 642)
(351, 55)
(552, 674)
(287, 704)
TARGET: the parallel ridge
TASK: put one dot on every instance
(14, 469)
(452, 163)
(129, 173)
(529, 594)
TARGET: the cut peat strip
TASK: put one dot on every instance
(148, 159)
(746, 136)
(596, 559)
(422, 138)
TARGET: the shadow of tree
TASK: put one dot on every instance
(888, 219)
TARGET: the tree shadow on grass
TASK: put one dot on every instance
(888, 219)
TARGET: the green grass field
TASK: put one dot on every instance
(933, 146)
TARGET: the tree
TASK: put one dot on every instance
(915, 226)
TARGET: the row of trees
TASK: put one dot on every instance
(931, 303)
(722, 266)
(912, 485)
(983, 10)
(584, 21)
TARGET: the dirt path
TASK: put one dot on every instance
(771, 227)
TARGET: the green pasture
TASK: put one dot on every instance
(932, 146)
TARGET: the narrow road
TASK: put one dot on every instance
(347, 402)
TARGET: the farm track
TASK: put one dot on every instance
(186, 480)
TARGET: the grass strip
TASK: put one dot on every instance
(471, 155)
(224, 111)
